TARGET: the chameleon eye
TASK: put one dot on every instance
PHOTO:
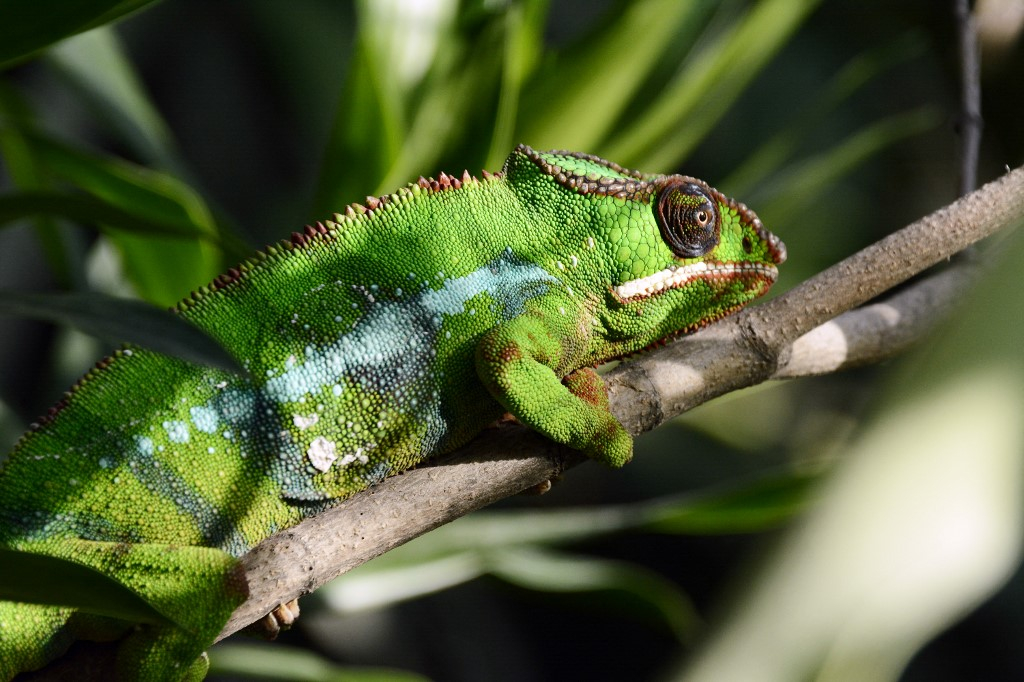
(688, 218)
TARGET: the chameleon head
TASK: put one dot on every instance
(709, 238)
(677, 253)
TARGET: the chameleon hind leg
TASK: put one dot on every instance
(192, 590)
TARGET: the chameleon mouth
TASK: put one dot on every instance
(677, 276)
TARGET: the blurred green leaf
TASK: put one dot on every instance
(578, 93)
(861, 70)
(281, 662)
(153, 194)
(95, 65)
(686, 108)
(523, 44)
(548, 571)
(39, 579)
(118, 320)
(27, 27)
(11, 426)
(90, 211)
(464, 72)
(372, 586)
(765, 504)
(370, 120)
(161, 270)
(789, 192)
(739, 507)
(528, 566)
(24, 171)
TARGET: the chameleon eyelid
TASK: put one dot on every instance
(687, 216)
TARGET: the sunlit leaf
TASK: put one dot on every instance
(523, 44)
(370, 120)
(920, 523)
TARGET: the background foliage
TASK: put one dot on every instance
(143, 158)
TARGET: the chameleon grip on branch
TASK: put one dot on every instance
(391, 334)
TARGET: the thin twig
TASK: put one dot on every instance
(971, 122)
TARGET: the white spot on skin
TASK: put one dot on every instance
(590, 242)
(357, 457)
(322, 453)
(305, 422)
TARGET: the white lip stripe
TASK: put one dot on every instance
(677, 276)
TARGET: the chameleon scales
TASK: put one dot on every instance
(391, 334)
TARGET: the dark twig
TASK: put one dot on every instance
(971, 122)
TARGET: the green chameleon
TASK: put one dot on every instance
(391, 334)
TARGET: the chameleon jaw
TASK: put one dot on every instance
(676, 276)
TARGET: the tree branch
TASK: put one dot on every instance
(795, 334)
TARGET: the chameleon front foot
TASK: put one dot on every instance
(605, 440)
(514, 363)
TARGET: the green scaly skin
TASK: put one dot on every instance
(391, 334)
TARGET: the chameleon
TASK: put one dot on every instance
(390, 334)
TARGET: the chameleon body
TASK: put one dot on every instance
(388, 335)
